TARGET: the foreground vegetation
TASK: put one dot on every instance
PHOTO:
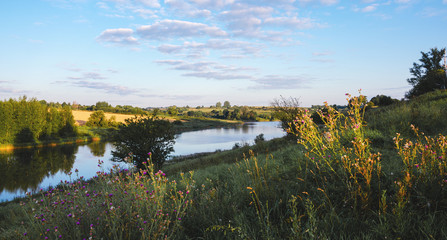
(334, 184)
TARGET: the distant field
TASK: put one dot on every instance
(81, 117)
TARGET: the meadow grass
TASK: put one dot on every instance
(333, 183)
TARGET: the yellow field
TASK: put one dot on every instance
(81, 117)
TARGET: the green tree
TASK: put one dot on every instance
(105, 106)
(218, 105)
(382, 100)
(97, 119)
(428, 75)
(6, 122)
(68, 128)
(226, 104)
(142, 135)
(172, 110)
(156, 111)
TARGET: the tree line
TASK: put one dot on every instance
(29, 121)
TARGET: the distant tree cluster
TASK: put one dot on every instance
(24, 121)
(382, 100)
(106, 107)
(243, 113)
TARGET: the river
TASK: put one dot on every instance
(28, 170)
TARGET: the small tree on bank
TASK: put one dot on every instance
(286, 110)
(429, 75)
(142, 135)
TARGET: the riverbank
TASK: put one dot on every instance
(92, 134)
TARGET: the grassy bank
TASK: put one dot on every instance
(333, 184)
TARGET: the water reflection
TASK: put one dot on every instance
(27, 170)
(24, 169)
(98, 149)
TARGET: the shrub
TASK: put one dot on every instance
(141, 136)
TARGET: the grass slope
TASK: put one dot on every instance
(281, 190)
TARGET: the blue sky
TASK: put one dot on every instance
(198, 52)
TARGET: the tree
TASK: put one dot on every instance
(382, 100)
(173, 111)
(226, 104)
(286, 110)
(429, 75)
(97, 119)
(105, 106)
(218, 105)
(142, 135)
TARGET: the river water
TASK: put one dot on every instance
(28, 170)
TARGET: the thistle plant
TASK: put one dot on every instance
(119, 204)
(339, 149)
(424, 179)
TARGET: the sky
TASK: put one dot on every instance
(156, 53)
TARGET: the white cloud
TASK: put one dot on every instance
(121, 36)
(135, 3)
(169, 48)
(88, 75)
(109, 88)
(228, 46)
(176, 28)
(322, 53)
(370, 8)
(217, 75)
(282, 82)
(150, 3)
(184, 8)
(213, 3)
(291, 22)
(208, 70)
(323, 2)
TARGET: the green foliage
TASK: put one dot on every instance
(30, 121)
(141, 136)
(382, 100)
(172, 110)
(286, 110)
(106, 107)
(97, 119)
(429, 75)
(218, 105)
(226, 104)
(427, 112)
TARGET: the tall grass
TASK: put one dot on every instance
(427, 112)
(331, 185)
(116, 205)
